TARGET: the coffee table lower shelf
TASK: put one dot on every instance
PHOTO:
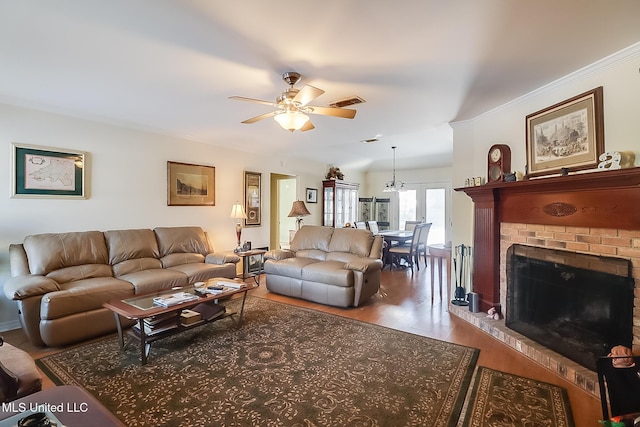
(147, 339)
(130, 311)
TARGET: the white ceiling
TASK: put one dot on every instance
(169, 66)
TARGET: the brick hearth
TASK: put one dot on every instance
(578, 213)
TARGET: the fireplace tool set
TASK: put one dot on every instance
(462, 263)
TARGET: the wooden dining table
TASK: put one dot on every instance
(399, 237)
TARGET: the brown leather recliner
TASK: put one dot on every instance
(333, 266)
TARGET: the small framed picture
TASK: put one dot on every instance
(253, 198)
(47, 172)
(312, 195)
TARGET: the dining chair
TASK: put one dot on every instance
(619, 386)
(409, 251)
(361, 224)
(373, 227)
(410, 225)
(422, 243)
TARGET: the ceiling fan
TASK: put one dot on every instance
(292, 106)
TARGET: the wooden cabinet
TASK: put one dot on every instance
(339, 203)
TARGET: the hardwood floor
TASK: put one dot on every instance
(404, 303)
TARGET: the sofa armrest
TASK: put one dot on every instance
(278, 254)
(22, 287)
(222, 258)
(364, 264)
(8, 384)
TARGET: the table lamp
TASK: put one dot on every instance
(237, 212)
(298, 210)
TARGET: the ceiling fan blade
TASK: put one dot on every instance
(336, 112)
(307, 126)
(259, 101)
(260, 117)
(307, 94)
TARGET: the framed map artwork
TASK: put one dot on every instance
(47, 172)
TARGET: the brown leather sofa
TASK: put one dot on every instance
(333, 266)
(61, 280)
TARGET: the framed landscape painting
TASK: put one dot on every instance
(46, 172)
(190, 185)
(567, 136)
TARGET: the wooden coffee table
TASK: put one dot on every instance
(142, 308)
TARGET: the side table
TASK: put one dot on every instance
(440, 252)
(252, 264)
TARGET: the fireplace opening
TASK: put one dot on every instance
(577, 305)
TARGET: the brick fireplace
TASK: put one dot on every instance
(596, 213)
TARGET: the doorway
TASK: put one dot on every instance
(283, 194)
(426, 203)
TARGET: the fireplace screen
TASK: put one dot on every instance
(577, 305)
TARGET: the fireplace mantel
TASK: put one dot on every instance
(603, 199)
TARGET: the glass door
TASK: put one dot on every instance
(426, 203)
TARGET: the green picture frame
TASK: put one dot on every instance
(47, 172)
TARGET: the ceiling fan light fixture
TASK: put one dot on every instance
(291, 120)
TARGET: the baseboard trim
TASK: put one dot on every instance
(9, 326)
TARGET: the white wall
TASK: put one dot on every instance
(618, 74)
(126, 182)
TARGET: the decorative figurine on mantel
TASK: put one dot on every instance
(334, 173)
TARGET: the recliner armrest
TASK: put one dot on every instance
(22, 287)
(364, 264)
(278, 254)
(222, 258)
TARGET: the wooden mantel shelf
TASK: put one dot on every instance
(603, 199)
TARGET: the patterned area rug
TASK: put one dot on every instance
(282, 366)
(499, 399)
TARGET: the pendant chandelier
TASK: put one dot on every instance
(394, 185)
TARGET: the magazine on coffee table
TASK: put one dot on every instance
(174, 299)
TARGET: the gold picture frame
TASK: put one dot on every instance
(190, 185)
(253, 198)
(47, 172)
(567, 136)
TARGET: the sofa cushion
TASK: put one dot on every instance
(351, 240)
(290, 267)
(343, 257)
(48, 252)
(83, 295)
(312, 253)
(312, 237)
(329, 272)
(172, 260)
(80, 272)
(199, 272)
(182, 240)
(125, 245)
(134, 265)
(153, 280)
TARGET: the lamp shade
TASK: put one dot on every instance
(291, 120)
(237, 211)
(298, 209)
